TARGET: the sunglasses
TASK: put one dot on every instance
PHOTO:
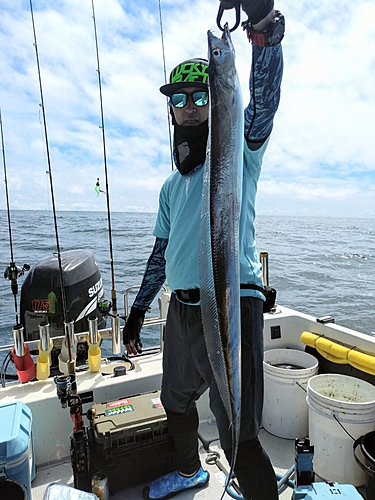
(179, 100)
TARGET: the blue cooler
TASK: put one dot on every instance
(16, 444)
(326, 491)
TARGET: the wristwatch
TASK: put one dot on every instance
(269, 37)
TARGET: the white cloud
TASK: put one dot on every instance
(321, 154)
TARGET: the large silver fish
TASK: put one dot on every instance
(219, 240)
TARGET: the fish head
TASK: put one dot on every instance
(221, 56)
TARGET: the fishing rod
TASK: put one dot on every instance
(20, 353)
(12, 272)
(49, 172)
(113, 292)
(165, 81)
(67, 361)
(66, 383)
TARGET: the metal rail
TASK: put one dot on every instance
(105, 333)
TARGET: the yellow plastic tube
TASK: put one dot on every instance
(332, 351)
(94, 356)
(327, 348)
(338, 353)
(43, 361)
(362, 361)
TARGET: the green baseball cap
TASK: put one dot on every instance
(190, 73)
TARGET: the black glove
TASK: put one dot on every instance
(131, 330)
(256, 10)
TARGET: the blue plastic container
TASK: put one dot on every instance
(16, 444)
(326, 491)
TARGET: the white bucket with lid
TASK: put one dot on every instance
(333, 400)
(286, 373)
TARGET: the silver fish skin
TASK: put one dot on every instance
(219, 229)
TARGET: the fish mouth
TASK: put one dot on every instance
(225, 37)
(216, 45)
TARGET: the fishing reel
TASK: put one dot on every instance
(105, 307)
(13, 272)
(63, 389)
(66, 389)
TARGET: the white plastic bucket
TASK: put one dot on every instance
(285, 412)
(351, 401)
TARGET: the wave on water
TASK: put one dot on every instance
(320, 266)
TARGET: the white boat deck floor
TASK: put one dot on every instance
(281, 452)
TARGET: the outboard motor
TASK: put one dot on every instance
(41, 294)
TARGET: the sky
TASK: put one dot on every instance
(321, 157)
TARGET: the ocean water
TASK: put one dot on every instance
(320, 266)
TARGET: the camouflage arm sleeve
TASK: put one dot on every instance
(154, 276)
(265, 80)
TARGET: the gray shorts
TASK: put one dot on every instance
(187, 372)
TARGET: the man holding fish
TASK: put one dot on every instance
(209, 151)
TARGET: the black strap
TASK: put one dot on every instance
(268, 292)
(251, 286)
(193, 295)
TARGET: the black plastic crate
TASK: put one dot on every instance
(130, 441)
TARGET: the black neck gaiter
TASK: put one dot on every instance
(189, 146)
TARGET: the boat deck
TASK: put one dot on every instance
(281, 452)
(282, 330)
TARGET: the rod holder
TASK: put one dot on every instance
(116, 342)
(21, 356)
(69, 334)
(19, 342)
(264, 264)
(93, 330)
(67, 355)
(45, 346)
(44, 336)
(94, 354)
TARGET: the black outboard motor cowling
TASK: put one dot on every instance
(41, 293)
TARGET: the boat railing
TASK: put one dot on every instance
(57, 341)
(163, 303)
(106, 333)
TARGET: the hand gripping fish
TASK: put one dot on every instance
(219, 240)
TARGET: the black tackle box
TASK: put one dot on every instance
(130, 441)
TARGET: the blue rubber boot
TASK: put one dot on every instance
(171, 484)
